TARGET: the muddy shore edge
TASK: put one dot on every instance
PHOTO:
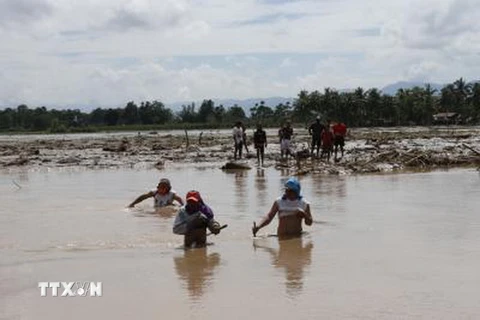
(367, 150)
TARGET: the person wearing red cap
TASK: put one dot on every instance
(163, 196)
(292, 208)
(193, 219)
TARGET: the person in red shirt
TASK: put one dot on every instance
(327, 142)
(339, 133)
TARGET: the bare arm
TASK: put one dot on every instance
(178, 199)
(141, 198)
(271, 214)
(305, 214)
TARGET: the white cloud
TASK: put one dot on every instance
(288, 63)
(111, 51)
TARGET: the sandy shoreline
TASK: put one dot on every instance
(367, 150)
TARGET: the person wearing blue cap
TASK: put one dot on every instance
(292, 208)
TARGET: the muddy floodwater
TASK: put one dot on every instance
(398, 246)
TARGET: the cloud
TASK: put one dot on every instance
(422, 71)
(21, 12)
(288, 63)
(368, 32)
(111, 51)
(269, 19)
(434, 25)
(147, 15)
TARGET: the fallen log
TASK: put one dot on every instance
(471, 149)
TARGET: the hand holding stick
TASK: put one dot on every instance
(254, 229)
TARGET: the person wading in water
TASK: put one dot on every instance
(292, 209)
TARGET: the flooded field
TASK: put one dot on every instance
(367, 150)
(398, 246)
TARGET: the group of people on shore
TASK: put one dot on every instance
(328, 137)
(194, 216)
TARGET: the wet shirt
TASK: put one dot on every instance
(316, 129)
(327, 138)
(340, 129)
(288, 207)
(162, 200)
(185, 215)
(286, 133)
(259, 138)
(238, 134)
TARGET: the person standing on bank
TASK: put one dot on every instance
(238, 140)
(339, 133)
(260, 143)
(292, 208)
(285, 134)
(315, 131)
(244, 138)
(327, 142)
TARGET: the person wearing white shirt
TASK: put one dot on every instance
(238, 140)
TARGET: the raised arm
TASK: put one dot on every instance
(268, 218)
(141, 198)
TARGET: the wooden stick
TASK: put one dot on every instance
(19, 186)
(222, 227)
(186, 135)
(470, 148)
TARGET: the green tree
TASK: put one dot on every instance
(112, 116)
(130, 114)
(188, 113)
(206, 112)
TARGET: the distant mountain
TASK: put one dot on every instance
(246, 104)
(272, 102)
(392, 89)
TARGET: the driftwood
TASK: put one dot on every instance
(15, 183)
(419, 158)
(200, 138)
(471, 149)
(236, 166)
(20, 161)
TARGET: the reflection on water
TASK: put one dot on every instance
(261, 187)
(293, 256)
(240, 186)
(197, 269)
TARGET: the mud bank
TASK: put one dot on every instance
(367, 150)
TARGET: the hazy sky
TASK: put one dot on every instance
(107, 52)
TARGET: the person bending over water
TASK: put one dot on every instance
(163, 196)
(193, 219)
(292, 208)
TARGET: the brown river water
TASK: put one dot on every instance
(399, 246)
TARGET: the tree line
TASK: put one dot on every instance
(415, 106)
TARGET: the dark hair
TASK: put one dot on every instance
(165, 182)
